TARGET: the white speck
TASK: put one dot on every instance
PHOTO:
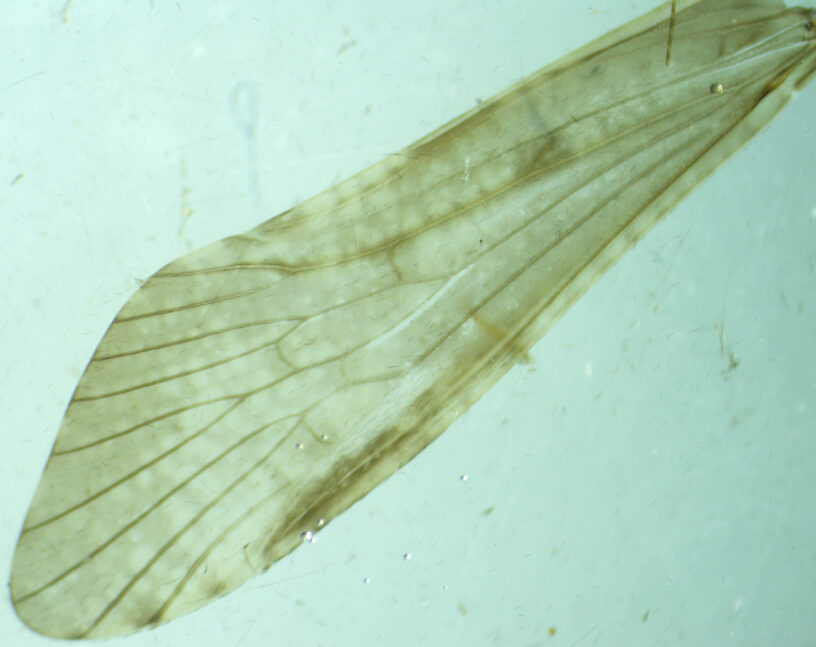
(466, 177)
(588, 368)
(308, 536)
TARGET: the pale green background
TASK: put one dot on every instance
(627, 470)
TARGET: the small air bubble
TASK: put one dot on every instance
(308, 536)
(463, 478)
(717, 88)
(324, 437)
(407, 556)
(366, 580)
(299, 446)
(321, 522)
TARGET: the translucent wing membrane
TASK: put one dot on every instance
(253, 390)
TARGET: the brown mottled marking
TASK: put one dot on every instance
(254, 389)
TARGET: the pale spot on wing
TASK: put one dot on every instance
(252, 390)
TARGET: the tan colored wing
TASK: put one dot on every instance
(253, 390)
